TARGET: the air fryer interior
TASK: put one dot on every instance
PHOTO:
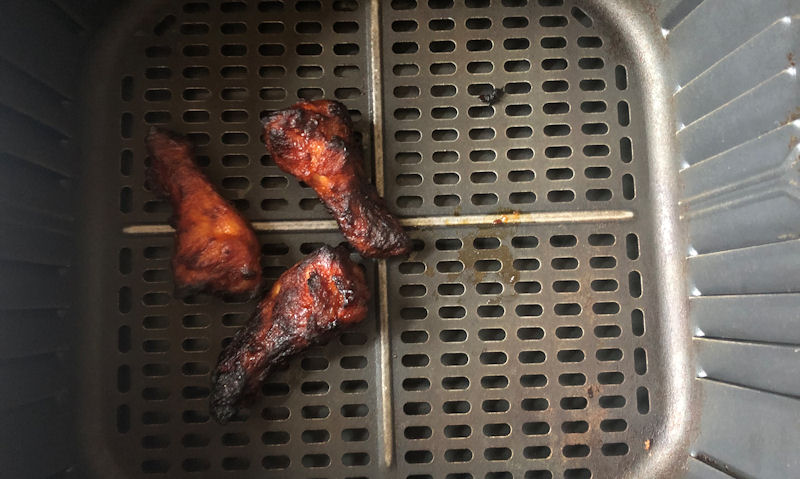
(541, 328)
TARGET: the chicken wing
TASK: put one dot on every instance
(312, 300)
(314, 141)
(216, 251)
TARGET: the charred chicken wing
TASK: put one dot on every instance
(312, 300)
(216, 251)
(314, 141)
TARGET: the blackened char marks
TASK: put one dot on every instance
(314, 141)
(311, 301)
(216, 251)
(347, 294)
(338, 110)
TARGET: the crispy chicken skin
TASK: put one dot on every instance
(312, 300)
(314, 141)
(216, 251)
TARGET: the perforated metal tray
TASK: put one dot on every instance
(534, 331)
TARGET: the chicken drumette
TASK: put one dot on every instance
(314, 141)
(311, 301)
(216, 251)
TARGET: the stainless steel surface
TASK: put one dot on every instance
(505, 333)
(537, 330)
(736, 114)
(512, 218)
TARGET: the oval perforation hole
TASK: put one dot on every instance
(354, 386)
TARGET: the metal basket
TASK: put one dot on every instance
(603, 282)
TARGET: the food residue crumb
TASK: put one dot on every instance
(492, 97)
(647, 444)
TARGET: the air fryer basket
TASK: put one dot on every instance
(543, 325)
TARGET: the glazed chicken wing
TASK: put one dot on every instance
(314, 141)
(216, 251)
(311, 301)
